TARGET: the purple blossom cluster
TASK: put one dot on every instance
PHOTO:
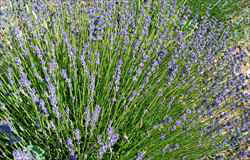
(22, 155)
(153, 67)
(139, 69)
(53, 101)
(71, 50)
(95, 116)
(83, 61)
(92, 118)
(140, 156)
(112, 140)
(77, 135)
(10, 78)
(71, 149)
(26, 84)
(92, 87)
(117, 75)
(49, 73)
(66, 78)
(7, 129)
(100, 18)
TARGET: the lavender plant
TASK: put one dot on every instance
(120, 80)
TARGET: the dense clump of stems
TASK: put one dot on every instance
(120, 80)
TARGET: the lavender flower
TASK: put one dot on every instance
(53, 100)
(140, 156)
(142, 65)
(65, 77)
(92, 87)
(77, 135)
(52, 66)
(10, 78)
(97, 58)
(173, 128)
(97, 25)
(102, 150)
(25, 83)
(178, 123)
(117, 75)
(87, 117)
(99, 140)
(64, 74)
(85, 67)
(24, 80)
(172, 68)
(69, 144)
(72, 157)
(38, 53)
(147, 22)
(138, 73)
(66, 110)
(112, 137)
(5, 128)
(22, 155)
(167, 120)
(51, 125)
(95, 116)
(41, 105)
(174, 4)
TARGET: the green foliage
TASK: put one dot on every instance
(221, 9)
(36, 151)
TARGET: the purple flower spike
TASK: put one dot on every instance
(102, 151)
(24, 80)
(95, 116)
(72, 157)
(22, 155)
(112, 137)
(178, 123)
(10, 72)
(141, 65)
(42, 107)
(69, 144)
(5, 128)
(140, 156)
(64, 74)
(87, 117)
(77, 135)
(174, 4)
(117, 75)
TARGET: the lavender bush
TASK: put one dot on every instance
(120, 80)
